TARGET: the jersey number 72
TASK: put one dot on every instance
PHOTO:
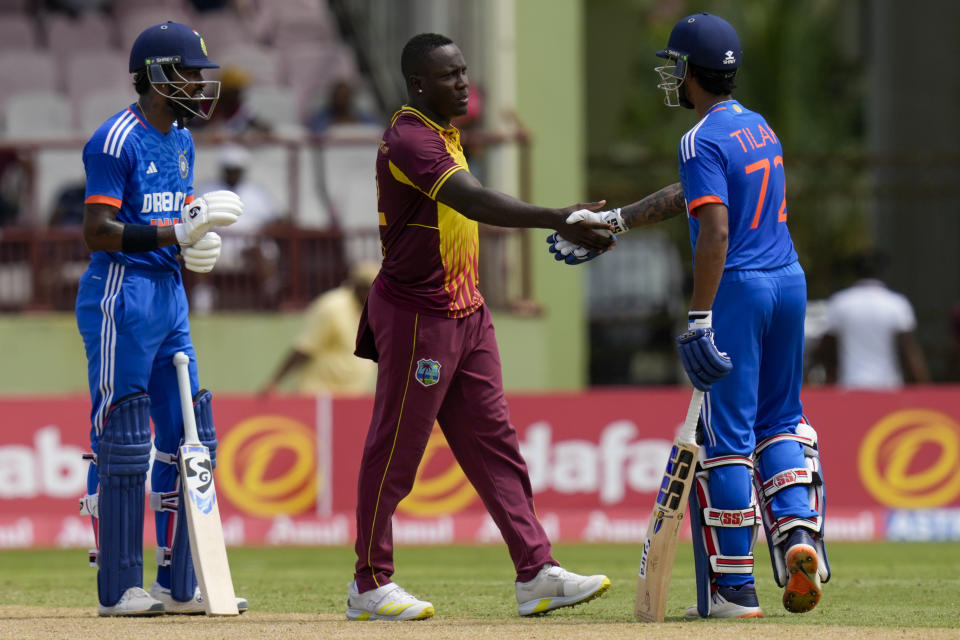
(764, 165)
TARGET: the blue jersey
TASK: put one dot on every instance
(733, 157)
(147, 175)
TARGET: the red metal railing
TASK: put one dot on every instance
(283, 266)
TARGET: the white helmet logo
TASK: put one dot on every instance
(729, 58)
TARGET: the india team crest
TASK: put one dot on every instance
(183, 165)
(428, 372)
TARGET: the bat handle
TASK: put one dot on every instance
(688, 433)
(182, 362)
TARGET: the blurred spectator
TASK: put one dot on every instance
(75, 8)
(869, 341)
(953, 355)
(68, 207)
(245, 249)
(340, 109)
(13, 180)
(323, 352)
(232, 117)
(211, 5)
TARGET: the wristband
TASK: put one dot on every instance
(138, 238)
(614, 218)
(700, 320)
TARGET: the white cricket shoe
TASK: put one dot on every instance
(134, 602)
(555, 587)
(728, 602)
(389, 602)
(193, 607)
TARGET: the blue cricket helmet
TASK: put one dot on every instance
(170, 43)
(704, 40)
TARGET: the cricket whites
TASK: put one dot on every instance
(663, 532)
(203, 515)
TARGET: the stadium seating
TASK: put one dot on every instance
(63, 75)
(96, 107)
(259, 62)
(36, 115)
(135, 20)
(277, 106)
(67, 36)
(17, 32)
(27, 70)
(91, 72)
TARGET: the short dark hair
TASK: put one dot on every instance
(719, 83)
(141, 83)
(417, 49)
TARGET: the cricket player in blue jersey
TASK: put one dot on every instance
(759, 462)
(140, 219)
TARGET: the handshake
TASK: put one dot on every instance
(199, 245)
(572, 253)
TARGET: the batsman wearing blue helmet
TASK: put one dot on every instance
(140, 220)
(759, 463)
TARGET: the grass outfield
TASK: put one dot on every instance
(879, 590)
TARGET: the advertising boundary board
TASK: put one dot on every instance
(287, 467)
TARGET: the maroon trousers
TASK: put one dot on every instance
(448, 371)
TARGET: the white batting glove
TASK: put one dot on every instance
(202, 254)
(214, 209)
(585, 215)
(611, 217)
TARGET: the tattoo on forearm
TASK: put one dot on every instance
(656, 207)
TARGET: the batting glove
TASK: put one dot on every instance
(611, 217)
(703, 362)
(214, 209)
(565, 251)
(202, 255)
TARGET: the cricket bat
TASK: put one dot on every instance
(663, 532)
(203, 515)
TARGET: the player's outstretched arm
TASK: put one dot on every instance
(464, 193)
(656, 207)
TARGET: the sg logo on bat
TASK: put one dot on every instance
(199, 480)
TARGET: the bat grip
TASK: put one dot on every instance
(688, 433)
(182, 362)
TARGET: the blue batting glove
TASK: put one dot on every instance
(703, 362)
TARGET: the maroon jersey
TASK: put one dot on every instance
(430, 251)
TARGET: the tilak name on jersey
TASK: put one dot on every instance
(754, 140)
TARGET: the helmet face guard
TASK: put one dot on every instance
(671, 77)
(165, 78)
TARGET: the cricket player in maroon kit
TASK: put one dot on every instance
(426, 324)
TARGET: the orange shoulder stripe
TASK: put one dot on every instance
(113, 202)
(699, 202)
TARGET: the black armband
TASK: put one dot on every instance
(138, 238)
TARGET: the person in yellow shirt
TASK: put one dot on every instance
(322, 354)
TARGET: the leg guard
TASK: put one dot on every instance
(123, 457)
(789, 483)
(723, 538)
(174, 561)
